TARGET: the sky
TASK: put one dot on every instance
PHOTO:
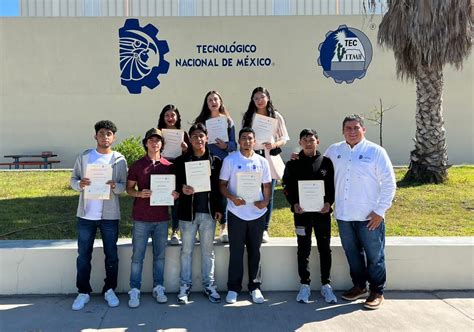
(9, 7)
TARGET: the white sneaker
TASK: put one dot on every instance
(231, 297)
(328, 294)
(80, 301)
(183, 295)
(224, 235)
(159, 294)
(304, 294)
(111, 298)
(265, 237)
(134, 298)
(257, 296)
(212, 294)
(174, 240)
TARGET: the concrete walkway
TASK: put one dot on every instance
(402, 311)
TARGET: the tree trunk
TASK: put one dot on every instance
(429, 159)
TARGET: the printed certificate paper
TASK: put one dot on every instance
(217, 128)
(264, 126)
(311, 194)
(198, 175)
(98, 174)
(249, 186)
(173, 139)
(162, 186)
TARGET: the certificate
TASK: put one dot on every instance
(198, 175)
(98, 174)
(173, 139)
(249, 186)
(264, 127)
(311, 194)
(217, 128)
(162, 186)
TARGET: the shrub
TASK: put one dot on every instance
(131, 148)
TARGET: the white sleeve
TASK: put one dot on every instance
(329, 153)
(386, 178)
(225, 170)
(266, 176)
(281, 131)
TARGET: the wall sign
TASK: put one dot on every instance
(345, 54)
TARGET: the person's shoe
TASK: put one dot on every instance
(159, 294)
(111, 298)
(212, 294)
(224, 235)
(174, 239)
(328, 294)
(374, 301)
(265, 237)
(304, 294)
(134, 298)
(257, 296)
(231, 297)
(80, 301)
(183, 295)
(354, 293)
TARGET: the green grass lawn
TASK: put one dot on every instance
(41, 205)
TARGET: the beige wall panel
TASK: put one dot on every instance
(58, 76)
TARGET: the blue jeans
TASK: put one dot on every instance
(158, 231)
(364, 251)
(86, 230)
(268, 214)
(206, 226)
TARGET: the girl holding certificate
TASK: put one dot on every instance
(273, 135)
(171, 119)
(213, 108)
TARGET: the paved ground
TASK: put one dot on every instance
(402, 311)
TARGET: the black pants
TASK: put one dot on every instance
(243, 234)
(321, 223)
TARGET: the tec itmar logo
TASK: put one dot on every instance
(141, 56)
(345, 54)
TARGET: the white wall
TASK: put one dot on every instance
(58, 76)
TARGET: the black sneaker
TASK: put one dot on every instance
(183, 295)
(212, 294)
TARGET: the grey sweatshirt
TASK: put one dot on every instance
(111, 209)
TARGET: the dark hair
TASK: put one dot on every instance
(197, 126)
(145, 140)
(246, 130)
(353, 117)
(252, 108)
(161, 119)
(308, 132)
(105, 124)
(206, 112)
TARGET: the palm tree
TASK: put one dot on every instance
(424, 36)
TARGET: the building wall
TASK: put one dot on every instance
(58, 76)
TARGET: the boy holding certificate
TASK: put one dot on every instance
(200, 206)
(149, 220)
(98, 171)
(242, 176)
(308, 179)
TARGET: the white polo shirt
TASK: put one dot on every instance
(364, 180)
(234, 163)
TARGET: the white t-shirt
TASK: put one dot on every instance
(93, 207)
(235, 163)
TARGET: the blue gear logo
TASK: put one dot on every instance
(345, 54)
(141, 56)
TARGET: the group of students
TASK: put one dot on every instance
(245, 222)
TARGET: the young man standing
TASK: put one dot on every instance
(311, 165)
(245, 219)
(93, 214)
(148, 221)
(198, 212)
(365, 187)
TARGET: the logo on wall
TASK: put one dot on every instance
(141, 56)
(345, 54)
